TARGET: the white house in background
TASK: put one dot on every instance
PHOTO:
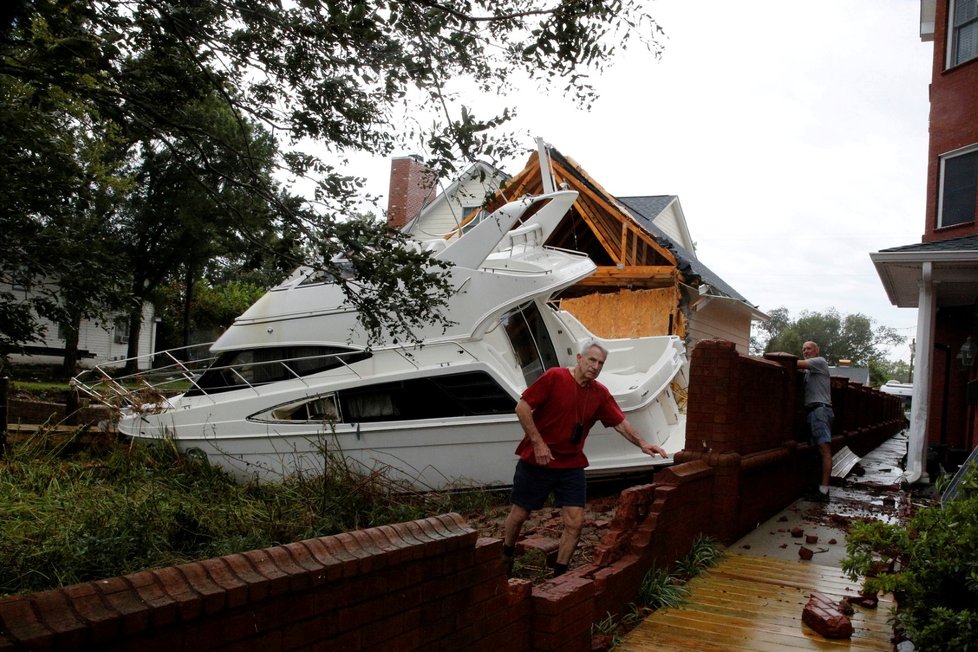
(98, 343)
(417, 207)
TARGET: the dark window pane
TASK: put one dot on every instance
(964, 38)
(958, 196)
(440, 397)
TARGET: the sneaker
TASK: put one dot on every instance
(509, 561)
(817, 496)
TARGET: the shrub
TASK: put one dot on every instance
(935, 571)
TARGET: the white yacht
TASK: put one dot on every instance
(294, 379)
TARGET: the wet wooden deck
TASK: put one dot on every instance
(755, 603)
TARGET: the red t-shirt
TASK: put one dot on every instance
(559, 404)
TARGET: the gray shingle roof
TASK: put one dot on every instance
(964, 243)
(644, 210)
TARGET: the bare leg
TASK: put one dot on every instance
(573, 518)
(514, 523)
(826, 451)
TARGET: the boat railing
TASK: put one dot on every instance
(178, 371)
(158, 375)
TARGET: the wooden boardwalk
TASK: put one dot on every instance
(755, 604)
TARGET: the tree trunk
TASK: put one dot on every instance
(70, 363)
(135, 328)
(188, 295)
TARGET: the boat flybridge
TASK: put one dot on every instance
(295, 380)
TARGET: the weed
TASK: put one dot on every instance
(660, 589)
(96, 514)
(704, 553)
(531, 565)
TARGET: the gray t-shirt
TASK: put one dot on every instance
(818, 387)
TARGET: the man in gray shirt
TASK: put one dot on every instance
(818, 406)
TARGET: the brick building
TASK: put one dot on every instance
(939, 275)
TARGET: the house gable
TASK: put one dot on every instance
(460, 200)
(626, 254)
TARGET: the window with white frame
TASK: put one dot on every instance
(466, 211)
(120, 329)
(958, 200)
(963, 31)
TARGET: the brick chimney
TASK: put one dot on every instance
(411, 189)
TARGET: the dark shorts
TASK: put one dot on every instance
(532, 484)
(820, 424)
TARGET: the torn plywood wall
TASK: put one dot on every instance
(629, 313)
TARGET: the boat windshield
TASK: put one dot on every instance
(530, 339)
(252, 367)
(473, 393)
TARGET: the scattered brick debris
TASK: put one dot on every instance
(805, 553)
(796, 532)
(823, 615)
(811, 538)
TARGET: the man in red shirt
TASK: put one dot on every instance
(556, 412)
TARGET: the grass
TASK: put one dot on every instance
(95, 514)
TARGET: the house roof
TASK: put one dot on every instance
(950, 266)
(642, 209)
(620, 234)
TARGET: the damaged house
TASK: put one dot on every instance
(649, 280)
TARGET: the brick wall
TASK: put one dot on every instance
(434, 584)
(953, 98)
(747, 422)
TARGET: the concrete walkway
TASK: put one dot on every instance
(753, 600)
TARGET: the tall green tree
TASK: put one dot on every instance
(853, 337)
(345, 75)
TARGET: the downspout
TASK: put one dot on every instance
(924, 354)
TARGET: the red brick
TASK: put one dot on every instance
(212, 595)
(823, 615)
(87, 602)
(119, 595)
(163, 608)
(332, 566)
(53, 608)
(278, 581)
(235, 590)
(298, 576)
(189, 603)
(351, 563)
(242, 568)
(308, 631)
(21, 623)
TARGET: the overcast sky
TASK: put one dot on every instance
(794, 134)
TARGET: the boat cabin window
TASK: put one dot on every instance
(530, 339)
(251, 367)
(455, 395)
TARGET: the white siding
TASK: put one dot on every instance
(720, 320)
(445, 213)
(673, 224)
(95, 338)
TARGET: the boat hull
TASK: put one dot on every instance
(426, 455)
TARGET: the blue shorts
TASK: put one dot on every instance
(820, 424)
(532, 484)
